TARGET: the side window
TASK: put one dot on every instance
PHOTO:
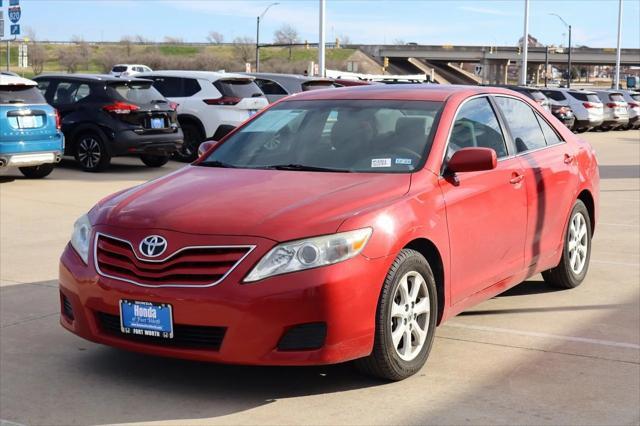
(82, 92)
(476, 125)
(64, 93)
(269, 87)
(556, 95)
(522, 122)
(43, 85)
(190, 87)
(550, 135)
(170, 87)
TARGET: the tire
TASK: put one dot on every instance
(571, 271)
(154, 160)
(387, 361)
(193, 137)
(37, 172)
(91, 152)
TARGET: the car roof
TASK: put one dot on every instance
(277, 76)
(14, 80)
(91, 77)
(423, 92)
(130, 65)
(207, 75)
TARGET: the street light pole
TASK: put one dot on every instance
(321, 65)
(617, 77)
(525, 45)
(261, 16)
(569, 56)
(546, 64)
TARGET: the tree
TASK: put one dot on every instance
(69, 57)
(173, 40)
(126, 41)
(244, 48)
(215, 37)
(38, 56)
(83, 49)
(344, 39)
(286, 35)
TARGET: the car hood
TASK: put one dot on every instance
(280, 205)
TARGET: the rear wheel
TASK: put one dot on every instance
(91, 152)
(576, 252)
(193, 137)
(405, 319)
(154, 160)
(37, 172)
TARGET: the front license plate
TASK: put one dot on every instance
(157, 123)
(146, 319)
(27, 121)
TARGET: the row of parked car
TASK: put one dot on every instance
(159, 114)
(583, 110)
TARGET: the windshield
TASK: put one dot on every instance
(334, 135)
(136, 92)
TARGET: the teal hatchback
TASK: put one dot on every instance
(30, 136)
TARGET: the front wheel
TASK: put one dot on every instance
(154, 160)
(576, 252)
(37, 172)
(405, 319)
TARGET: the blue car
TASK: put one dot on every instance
(30, 136)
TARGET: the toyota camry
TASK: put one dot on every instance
(336, 225)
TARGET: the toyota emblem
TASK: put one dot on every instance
(153, 245)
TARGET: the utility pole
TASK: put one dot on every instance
(261, 16)
(321, 70)
(617, 77)
(569, 56)
(525, 45)
(546, 64)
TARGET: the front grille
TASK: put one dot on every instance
(198, 266)
(184, 336)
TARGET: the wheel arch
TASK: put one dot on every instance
(192, 119)
(587, 198)
(72, 140)
(429, 250)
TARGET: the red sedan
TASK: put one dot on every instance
(337, 225)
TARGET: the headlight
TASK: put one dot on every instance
(310, 253)
(81, 237)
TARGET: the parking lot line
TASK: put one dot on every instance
(546, 335)
(630, 225)
(611, 262)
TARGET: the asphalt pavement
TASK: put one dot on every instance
(530, 356)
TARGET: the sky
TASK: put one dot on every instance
(437, 22)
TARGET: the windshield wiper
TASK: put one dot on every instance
(302, 167)
(215, 163)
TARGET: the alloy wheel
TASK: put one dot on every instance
(89, 152)
(410, 312)
(578, 243)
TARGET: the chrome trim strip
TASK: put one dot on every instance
(95, 262)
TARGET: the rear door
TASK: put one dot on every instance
(551, 177)
(486, 210)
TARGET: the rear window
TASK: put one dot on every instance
(556, 95)
(119, 69)
(238, 88)
(315, 85)
(20, 94)
(137, 93)
(617, 97)
(636, 96)
(586, 97)
(538, 95)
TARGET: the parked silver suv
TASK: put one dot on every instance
(586, 106)
(633, 107)
(615, 109)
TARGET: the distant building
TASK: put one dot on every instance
(531, 42)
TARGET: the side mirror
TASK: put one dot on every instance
(206, 146)
(472, 160)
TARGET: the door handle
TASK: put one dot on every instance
(516, 178)
(568, 159)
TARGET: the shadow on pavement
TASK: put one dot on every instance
(631, 171)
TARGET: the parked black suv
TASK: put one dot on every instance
(104, 116)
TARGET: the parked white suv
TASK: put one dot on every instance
(586, 106)
(210, 104)
(615, 109)
(128, 69)
(633, 106)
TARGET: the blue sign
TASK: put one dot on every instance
(14, 13)
(13, 2)
(15, 30)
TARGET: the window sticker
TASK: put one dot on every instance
(404, 161)
(381, 162)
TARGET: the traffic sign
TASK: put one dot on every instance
(478, 70)
(14, 13)
(15, 29)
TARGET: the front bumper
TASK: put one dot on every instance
(256, 316)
